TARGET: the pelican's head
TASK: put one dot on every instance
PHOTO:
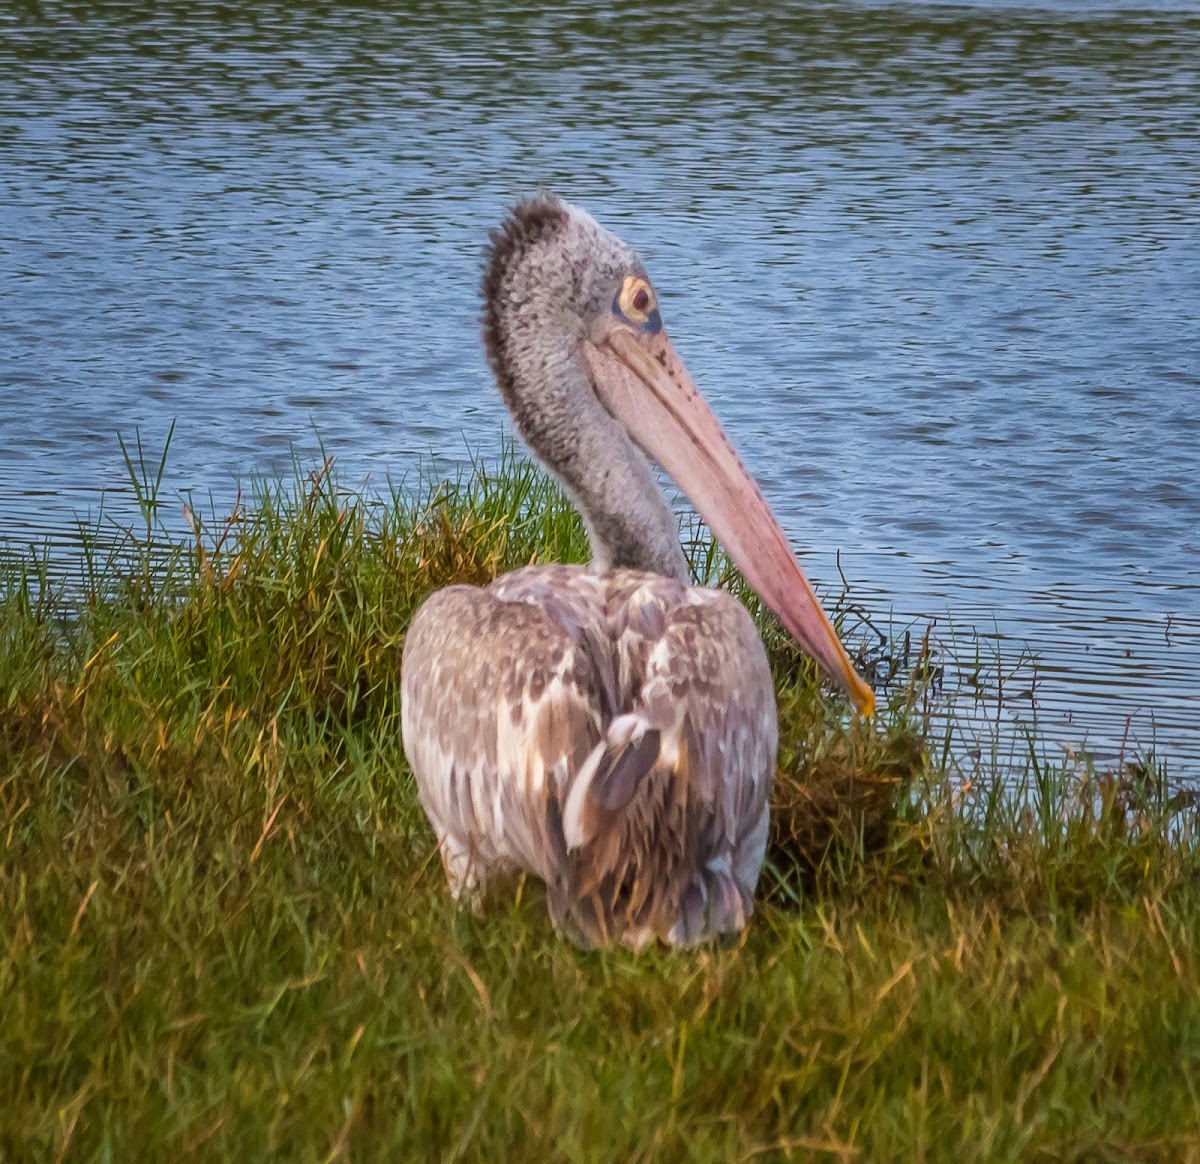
(571, 320)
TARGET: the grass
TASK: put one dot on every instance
(224, 933)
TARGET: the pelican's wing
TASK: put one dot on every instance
(712, 650)
(502, 700)
(670, 838)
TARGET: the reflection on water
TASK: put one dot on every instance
(934, 265)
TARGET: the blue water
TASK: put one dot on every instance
(936, 267)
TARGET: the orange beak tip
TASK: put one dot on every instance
(862, 697)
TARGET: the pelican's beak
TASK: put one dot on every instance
(643, 383)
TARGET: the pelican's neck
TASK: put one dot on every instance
(628, 521)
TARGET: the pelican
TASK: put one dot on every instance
(610, 728)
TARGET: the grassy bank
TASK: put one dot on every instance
(224, 932)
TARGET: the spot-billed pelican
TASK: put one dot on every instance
(610, 728)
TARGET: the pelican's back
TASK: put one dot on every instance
(614, 735)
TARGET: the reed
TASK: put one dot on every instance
(226, 934)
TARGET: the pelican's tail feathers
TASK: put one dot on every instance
(713, 904)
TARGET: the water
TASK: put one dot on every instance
(937, 267)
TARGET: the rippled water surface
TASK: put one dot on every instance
(937, 267)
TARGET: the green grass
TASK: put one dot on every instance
(224, 932)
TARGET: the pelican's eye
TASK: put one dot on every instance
(636, 302)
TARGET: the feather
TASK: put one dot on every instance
(614, 735)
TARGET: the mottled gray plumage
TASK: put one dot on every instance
(610, 729)
(613, 734)
(551, 272)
